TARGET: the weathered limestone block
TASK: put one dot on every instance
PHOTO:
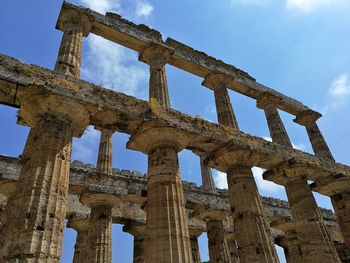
(33, 220)
(289, 241)
(225, 113)
(218, 247)
(314, 239)
(167, 236)
(104, 160)
(138, 230)
(74, 25)
(81, 248)
(308, 118)
(100, 227)
(156, 56)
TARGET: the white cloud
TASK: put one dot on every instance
(85, 148)
(143, 9)
(338, 93)
(101, 6)
(114, 66)
(220, 179)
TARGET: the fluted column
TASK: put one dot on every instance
(208, 184)
(224, 109)
(156, 56)
(194, 234)
(232, 246)
(33, 220)
(289, 241)
(74, 27)
(104, 160)
(81, 247)
(308, 119)
(167, 236)
(138, 230)
(252, 232)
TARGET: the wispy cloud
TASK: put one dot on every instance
(85, 148)
(101, 6)
(338, 94)
(220, 179)
(143, 9)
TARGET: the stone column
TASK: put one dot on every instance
(156, 56)
(338, 189)
(100, 227)
(81, 247)
(167, 236)
(218, 247)
(296, 187)
(104, 160)
(33, 220)
(253, 234)
(138, 230)
(289, 242)
(194, 234)
(224, 109)
(208, 184)
(308, 119)
(74, 27)
(232, 246)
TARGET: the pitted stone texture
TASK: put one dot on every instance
(218, 247)
(33, 222)
(315, 242)
(167, 236)
(104, 161)
(252, 232)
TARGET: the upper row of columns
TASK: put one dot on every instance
(33, 221)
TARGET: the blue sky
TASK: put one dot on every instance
(298, 47)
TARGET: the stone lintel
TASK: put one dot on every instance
(284, 224)
(332, 185)
(307, 116)
(70, 15)
(290, 169)
(100, 199)
(206, 213)
(268, 99)
(148, 138)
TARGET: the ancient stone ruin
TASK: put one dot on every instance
(42, 188)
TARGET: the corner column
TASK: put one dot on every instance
(81, 248)
(138, 230)
(33, 220)
(253, 234)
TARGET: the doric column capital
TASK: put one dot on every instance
(79, 224)
(307, 116)
(267, 99)
(332, 185)
(99, 199)
(156, 55)
(148, 138)
(55, 107)
(7, 188)
(217, 80)
(206, 213)
(136, 228)
(70, 19)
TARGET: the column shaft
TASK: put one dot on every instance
(34, 217)
(252, 232)
(158, 82)
(317, 140)
(341, 205)
(167, 231)
(277, 130)
(69, 56)
(225, 113)
(233, 250)
(81, 247)
(100, 234)
(104, 161)
(218, 248)
(195, 250)
(139, 249)
(208, 184)
(315, 242)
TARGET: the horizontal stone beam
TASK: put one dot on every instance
(114, 28)
(131, 187)
(117, 111)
